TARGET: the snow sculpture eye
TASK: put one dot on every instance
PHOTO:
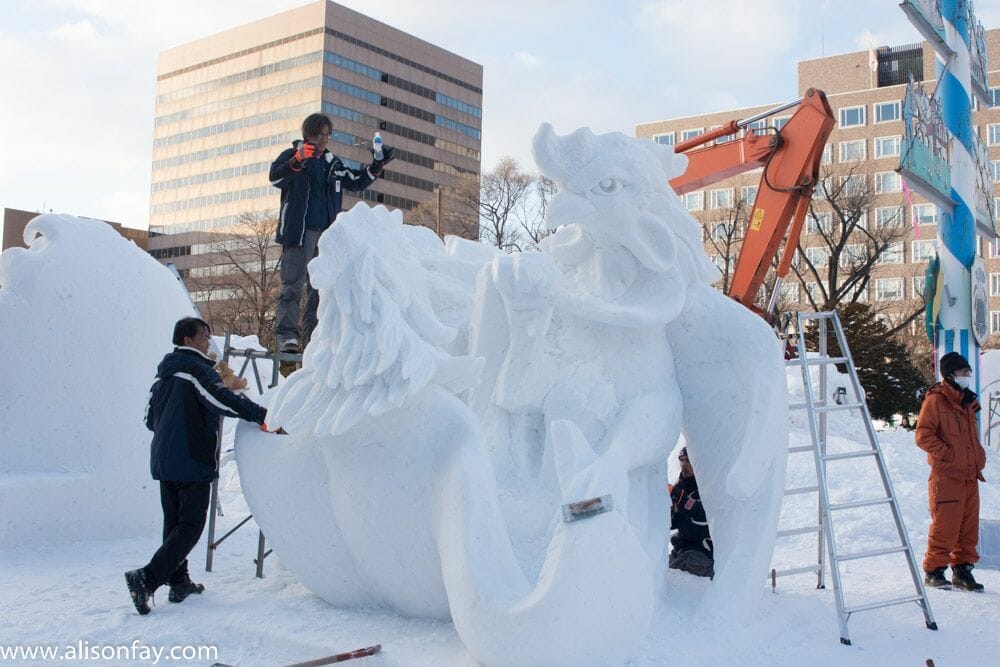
(608, 186)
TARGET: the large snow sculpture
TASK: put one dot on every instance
(85, 316)
(453, 399)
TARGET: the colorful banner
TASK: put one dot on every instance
(978, 58)
(983, 205)
(933, 288)
(926, 146)
(980, 305)
(925, 15)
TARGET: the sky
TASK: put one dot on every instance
(79, 76)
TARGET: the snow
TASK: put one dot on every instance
(440, 501)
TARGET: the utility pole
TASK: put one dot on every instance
(440, 235)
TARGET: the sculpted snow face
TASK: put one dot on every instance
(432, 460)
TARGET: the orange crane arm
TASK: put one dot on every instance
(790, 159)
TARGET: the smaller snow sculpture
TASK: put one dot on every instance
(87, 329)
(452, 399)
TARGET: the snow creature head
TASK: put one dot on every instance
(614, 194)
(379, 340)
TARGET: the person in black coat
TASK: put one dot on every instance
(691, 546)
(312, 181)
(186, 403)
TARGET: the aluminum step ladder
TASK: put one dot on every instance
(817, 407)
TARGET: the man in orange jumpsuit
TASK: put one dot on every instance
(947, 430)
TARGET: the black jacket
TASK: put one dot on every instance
(185, 402)
(295, 187)
(687, 516)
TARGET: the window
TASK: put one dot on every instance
(692, 133)
(790, 292)
(995, 284)
(993, 135)
(822, 187)
(666, 139)
(851, 151)
(722, 198)
(722, 139)
(886, 147)
(819, 221)
(854, 184)
(888, 289)
(827, 154)
(995, 170)
(757, 127)
(926, 214)
(852, 116)
(694, 201)
(886, 112)
(720, 230)
(862, 294)
(888, 181)
(862, 222)
(780, 122)
(720, 262)
(919, 283)
(852, 254)
(749, 193)
(817, 256)
(812, 290)
(888, 216)
(996, 207)
(923, 251)
(995, 321)
(995, 97)
(994, 248)
(893, 254)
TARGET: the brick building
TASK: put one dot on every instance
(865, 89)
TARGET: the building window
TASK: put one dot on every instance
(790, 292)
(780, 122)
(995, 170)
(692, 133)
(721, 231)
(926, 214)
(893, 254)
(886, 147)
(922, 251)
(667, 138)
(851, 151)
(816, 222)
(722, 198)
(889, 289)
(852, 254)
(886, 112)
(994, 321)
(854, 185)
(888, 216)
(827, 154)
(749, 193)
(995, 284)
(888, 181)
(818, 256)
(812, 290)
(852, 116)
(993, 134)
(694, 201)
(757, 127)
(723, 139)
(994, 248)
(919, 282)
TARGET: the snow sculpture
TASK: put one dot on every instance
(83, 333)
(453, 399)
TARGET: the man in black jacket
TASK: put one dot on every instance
(312, 180)
(185, 404)
(691, 545)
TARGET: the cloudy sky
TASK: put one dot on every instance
(78, 76)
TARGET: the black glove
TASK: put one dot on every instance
(387, 157)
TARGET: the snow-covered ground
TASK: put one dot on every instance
(71, 593)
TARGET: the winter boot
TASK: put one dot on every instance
(182, 588)
(935, 579)
(138, 587)
(961, 577)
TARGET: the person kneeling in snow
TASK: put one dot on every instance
(691, 545)
(185, 403)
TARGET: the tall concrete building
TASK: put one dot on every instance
(227, 104)
(865, 89)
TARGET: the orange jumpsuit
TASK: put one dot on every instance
(947, 430)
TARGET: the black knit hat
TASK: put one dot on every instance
(952, 362)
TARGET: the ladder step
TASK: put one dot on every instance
(859, 503)
(873, 552)
(837, 408)
(803, 448)
(848, 455)
(801, 489)
(798, 531)
(821, 361)
(886, 603)
(797, 570)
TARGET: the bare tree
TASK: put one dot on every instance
(243, 283)
(531, 212)
(459, 213)
(501, 194)
(724, 230)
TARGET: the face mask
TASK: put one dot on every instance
(963, 381)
